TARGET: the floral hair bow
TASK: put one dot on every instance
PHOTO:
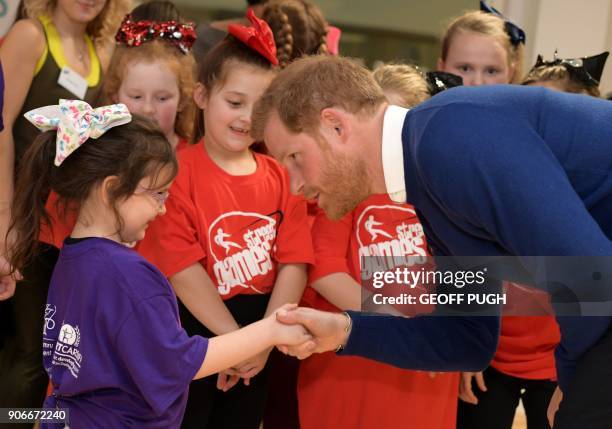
(516, 34)
(76, 122)
(258, 37)
(135, 33)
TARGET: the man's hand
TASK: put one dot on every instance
(553, 406)
(328, 330)
(7, 280)
(466, 394)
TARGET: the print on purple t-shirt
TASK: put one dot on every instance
(112, 342)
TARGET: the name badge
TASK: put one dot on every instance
(73, 82)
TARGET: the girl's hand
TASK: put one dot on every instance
(281, 334)
(227, 379)
(553, 406)
(251, 367)
(329, 330)
(289, 335)
(466, 393)
(7, 287)
(7, 280)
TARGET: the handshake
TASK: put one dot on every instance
(295, 331)
(327, 331)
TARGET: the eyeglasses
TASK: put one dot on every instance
(160, 197)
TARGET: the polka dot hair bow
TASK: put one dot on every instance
(76, 122)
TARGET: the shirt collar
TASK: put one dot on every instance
(393, 154)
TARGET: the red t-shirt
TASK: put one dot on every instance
(353, 392)
(182, 144)
(527, 343)
(62, 222)
(238, 227)
(379, 231)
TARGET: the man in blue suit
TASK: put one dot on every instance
(492, 171)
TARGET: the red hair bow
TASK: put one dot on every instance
(258, 36)
(333, 40)
(135, 33)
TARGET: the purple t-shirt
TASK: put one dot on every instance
(112, 342)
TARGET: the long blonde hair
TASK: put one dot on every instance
(488, 25)
(102, 29)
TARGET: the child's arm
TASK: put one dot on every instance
(198, 293)
(345, 293)
(227, 350)
(329, 276)
(340, 289)
(18, 66)
(288, 287)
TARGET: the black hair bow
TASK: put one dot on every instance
(517, 35)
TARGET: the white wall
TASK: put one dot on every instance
(606, 81)
(575, 28)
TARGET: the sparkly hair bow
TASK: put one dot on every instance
(75, 122)
(441, 81)
(135, 33)
(587, 70)
(258, 36)
(517, 35)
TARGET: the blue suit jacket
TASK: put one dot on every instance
(500, 170)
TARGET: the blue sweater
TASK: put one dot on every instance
(500, 170)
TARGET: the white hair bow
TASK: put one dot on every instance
(76, 122)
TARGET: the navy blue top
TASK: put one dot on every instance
(500, 170)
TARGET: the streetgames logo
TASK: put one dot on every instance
(67, 352)
(397, 241)
(241, 244)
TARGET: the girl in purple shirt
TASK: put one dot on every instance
(112, 343)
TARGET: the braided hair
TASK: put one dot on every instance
(299, 29)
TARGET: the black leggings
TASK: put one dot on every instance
(241, 407)
(23, 380)
(282, 407)
(587, 401)
(497, 406)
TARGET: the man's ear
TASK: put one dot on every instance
(336, 124)
(200, 96)
(440, 64)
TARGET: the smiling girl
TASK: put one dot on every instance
(234, 242)
(60, 51)
(113, 346)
